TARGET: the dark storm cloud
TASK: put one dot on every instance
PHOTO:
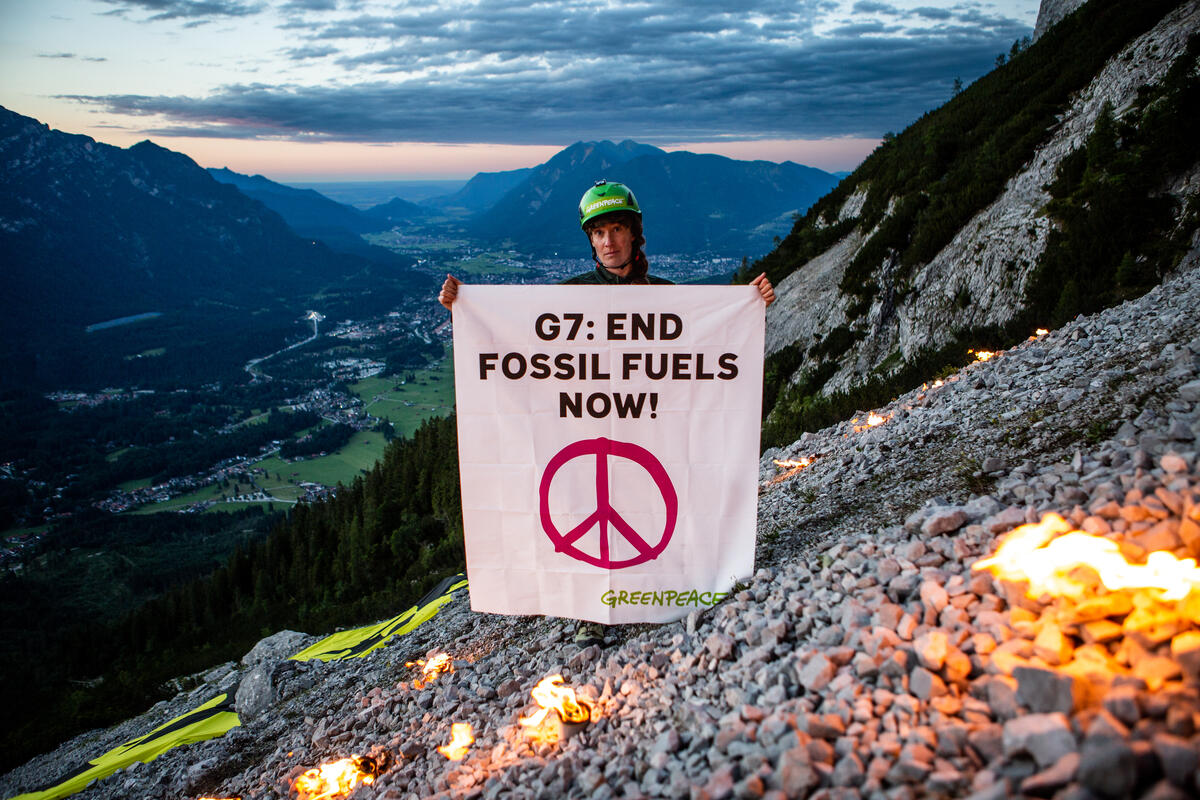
(662, 71)
(194, 11)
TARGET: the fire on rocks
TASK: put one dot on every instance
(980, 651)
(1063, 661)
(558, 715)
(1034, 637)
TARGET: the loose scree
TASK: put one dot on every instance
(615, 327)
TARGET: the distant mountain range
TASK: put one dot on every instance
(90, 232)
(315, 216)
(302, 209)
(483, 191)
(692, 203)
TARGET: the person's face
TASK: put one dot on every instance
(613, 242)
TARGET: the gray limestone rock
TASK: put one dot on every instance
(1046, 737)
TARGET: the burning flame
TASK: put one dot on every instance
(462, 736)
(1047, 552)
(873, 420)
(984, 355)
(1040, 332)
(551, 695)
(792, 466)
(335, 778)
(430, 670)
(797, 463)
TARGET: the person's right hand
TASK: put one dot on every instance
(449, 291)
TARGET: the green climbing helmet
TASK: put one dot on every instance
(605, 198)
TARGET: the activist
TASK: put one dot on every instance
(610, 216)
(612, 219)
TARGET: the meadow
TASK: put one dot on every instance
(404, 401)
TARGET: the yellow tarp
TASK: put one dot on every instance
(358, 642)
(210, 720)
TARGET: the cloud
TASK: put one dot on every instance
(660, 71)
(875, 8)
(310, 51)
(195, 12)
(293, 6)
(96, 59)
(864, 29)
(933, 13)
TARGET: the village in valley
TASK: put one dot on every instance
(345, 385)
(371, 378)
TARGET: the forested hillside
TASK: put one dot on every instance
(91, 233)
(375, 548)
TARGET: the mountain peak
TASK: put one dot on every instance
(756, 203)
(603, 151)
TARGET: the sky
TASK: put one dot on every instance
(365, 90)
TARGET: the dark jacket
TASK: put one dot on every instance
(603, 277)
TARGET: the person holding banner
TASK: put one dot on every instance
(611, 218)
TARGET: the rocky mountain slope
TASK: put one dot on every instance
(91, 233)
(304, 210)
(483, 191)
(1051, 11)
(314, 216)
(866, 657)
(149, 230)
(902, 302)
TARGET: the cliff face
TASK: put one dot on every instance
(978, 279)
(1051, 11)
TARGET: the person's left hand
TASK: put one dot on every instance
(764, 288)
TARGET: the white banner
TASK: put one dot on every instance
(608, 446)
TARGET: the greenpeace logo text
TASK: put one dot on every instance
(669, 597)
(612, 201)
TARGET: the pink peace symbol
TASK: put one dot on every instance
(605, 514)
